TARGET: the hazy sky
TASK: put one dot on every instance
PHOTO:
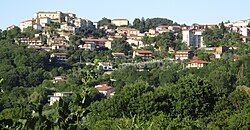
(181, 11)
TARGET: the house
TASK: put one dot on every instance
(88, 46)
(145, 54)
(120, 22)
(135, 43)
(59, 47)
(106, 66)
(43, 21)
(57, 79)
(184, 54)
(60, 57)
(107, 91)
(108, 44)
(57, 95)
(196, 64)
(26, 24)
(119, 55)
(80, 23)
(11, 27)
(67, 27)
(30, 41)
(127, 31)
(56, 40)
(219, 51)
(42, 48)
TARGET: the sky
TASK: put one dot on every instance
(180, 11)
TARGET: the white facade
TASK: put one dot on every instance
(120, 22)
(26, 24)
(57, 95)
(44, 21)
(60, 57)
(192, 37)
(105, 65)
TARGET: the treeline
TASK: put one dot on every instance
(141, 24)
(213, 97)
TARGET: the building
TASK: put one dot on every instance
(59, 47)
(197, 64)
(119, 55)
(43, 21)
(135, 43)
(107, 91)
(57, 95)
(59, 57)
(81, 23)
(67, 27)
(57, 79)
(106, 66)
(127, 31)
(26, 24)
(57, 16)
(30, 41)
(120, 22)
(88, 46)
(11, 27)
(145, 54)
(219, 51)
(56, 40)
(45, 48)
(183, 54)
(192, 37)
(108, 44)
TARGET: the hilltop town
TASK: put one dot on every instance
(60, 71)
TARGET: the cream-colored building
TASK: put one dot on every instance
(184, 54)
(145, 54)
(197, 64)
(127, 31)
(26, 24)
(120, 22)
(57, 16)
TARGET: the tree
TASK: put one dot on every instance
(148, 24)
(136, 23)
(142, 25)
(30, 32)
(75, 41)
(192, 97)
(104, 21)
(121, 45)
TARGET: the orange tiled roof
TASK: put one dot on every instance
(198, 61)
(144, 51)
(104, 88)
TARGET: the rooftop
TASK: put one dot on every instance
(198, 61)
(104, 88)
(144, 51)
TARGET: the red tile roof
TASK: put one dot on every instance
(198, 61)
(104, 88)
(144, 51)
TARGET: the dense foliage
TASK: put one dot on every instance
(148, 95)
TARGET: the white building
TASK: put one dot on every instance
(107, 91)
(55, 16)
(30, 41)
(120, 22)
(57, 95)
(26, 24)
(60, 57)
(197, 64)
(106, 66)
(192, 37)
